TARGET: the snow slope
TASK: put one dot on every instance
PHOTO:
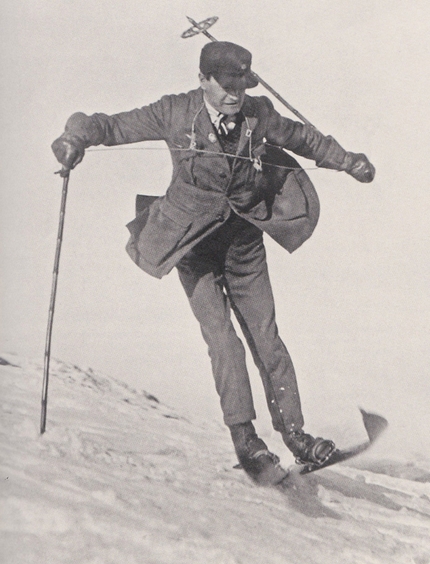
(121, 478)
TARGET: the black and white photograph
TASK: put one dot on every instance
(215, 283)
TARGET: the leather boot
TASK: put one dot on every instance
(254, 456)
(308, 449)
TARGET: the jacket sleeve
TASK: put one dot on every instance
(141, 124)
(304, 140)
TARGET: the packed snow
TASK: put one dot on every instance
(120, 477)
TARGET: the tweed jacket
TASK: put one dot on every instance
(206, 185)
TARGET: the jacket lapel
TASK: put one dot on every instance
(205, 133)
(248, 126)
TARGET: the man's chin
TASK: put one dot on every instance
(231, 109)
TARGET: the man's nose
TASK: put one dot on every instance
(234, 94)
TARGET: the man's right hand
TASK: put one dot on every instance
(69, 151)
(359, 167)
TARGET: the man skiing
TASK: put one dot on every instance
(231, 182)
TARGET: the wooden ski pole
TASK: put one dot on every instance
(64, 173)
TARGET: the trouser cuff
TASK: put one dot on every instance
(230, 420)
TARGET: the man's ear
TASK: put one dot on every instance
(203, 81)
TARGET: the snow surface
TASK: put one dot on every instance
(120, 477)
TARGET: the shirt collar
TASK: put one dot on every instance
(214, 114)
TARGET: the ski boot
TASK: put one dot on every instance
(307, 449)
(261, 465)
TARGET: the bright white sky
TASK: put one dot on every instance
(352, 303)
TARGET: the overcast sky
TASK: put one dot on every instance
(352, 303)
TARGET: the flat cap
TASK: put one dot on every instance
(229, 64)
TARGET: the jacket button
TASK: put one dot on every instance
(223, 175)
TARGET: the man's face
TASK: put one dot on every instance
(228, 102)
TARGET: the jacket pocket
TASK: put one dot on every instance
(165, 228)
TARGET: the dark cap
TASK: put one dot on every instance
(229, 64)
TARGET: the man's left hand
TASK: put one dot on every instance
(359, 167)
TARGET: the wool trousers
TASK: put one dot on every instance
(225, 272)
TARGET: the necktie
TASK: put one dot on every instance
(222, 126)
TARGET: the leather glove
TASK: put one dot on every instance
(359, 167)
(69, 150)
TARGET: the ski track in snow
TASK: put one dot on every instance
(118, 477)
